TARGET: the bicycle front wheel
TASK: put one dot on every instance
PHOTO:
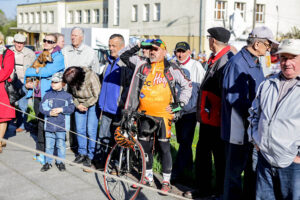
(126, 163)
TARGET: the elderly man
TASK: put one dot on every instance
(242, 76)
(153, 91)
(274, 128)
(24, 58)
(208, 114)
(185, 126)
(116, 80)
(79, 54)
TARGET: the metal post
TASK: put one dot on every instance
(254, 17)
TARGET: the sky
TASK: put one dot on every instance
(10, 6)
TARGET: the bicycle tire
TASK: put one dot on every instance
(118, 190)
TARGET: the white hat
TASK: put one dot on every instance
(291, 46)
(263, 32)
(19, 38)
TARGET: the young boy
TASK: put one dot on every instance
(57, 105)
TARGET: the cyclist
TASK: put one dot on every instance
(152, 91)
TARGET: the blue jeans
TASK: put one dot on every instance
(87, 125)
(59, 139)
(238, 159)
(21, 117)
(277, 183)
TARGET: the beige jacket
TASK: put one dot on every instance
(89, 92)
(23, 60)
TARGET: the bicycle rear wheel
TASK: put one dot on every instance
(128, 164)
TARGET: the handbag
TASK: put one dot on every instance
(14, 88)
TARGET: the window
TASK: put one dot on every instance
(78, 17)
(156, 12)
(50, 17)
(31, 18)
(146, 12)
(70, 17)
(220, 10)
(87, 16)
(20, 18)
(37, 17)
(134, 13)
(260, 13)
(116, 12)
(25, 18)
(241, 7)
(105, 15)
(96, 16)
(44, 17)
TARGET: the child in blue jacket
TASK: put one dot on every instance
(57, 105)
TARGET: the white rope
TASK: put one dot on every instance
(73, 132)
(92, 170)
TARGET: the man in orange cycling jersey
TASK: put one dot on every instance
(152, 91)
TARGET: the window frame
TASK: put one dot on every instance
(156, 12)
(146, 12)
(220, 14)
(260, 13)
(242, 12)
(134, 13)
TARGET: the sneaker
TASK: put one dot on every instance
(87, 162)
(41, 159)
(79, 159)
(166, 187)
(61, 166)
(46, 167)
(146, 182)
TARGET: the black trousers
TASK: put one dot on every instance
(209, 144)
(40, 133)
(185, 128)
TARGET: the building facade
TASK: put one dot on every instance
(170, 20)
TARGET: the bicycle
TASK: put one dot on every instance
(127, 159)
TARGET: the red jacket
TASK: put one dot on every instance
(6, 113)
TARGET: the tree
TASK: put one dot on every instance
(294, 33)
(6, 24)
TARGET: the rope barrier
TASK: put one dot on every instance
(92, 170)
(73, 132)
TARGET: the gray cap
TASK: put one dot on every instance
(291, 46)
(57, 77)
(263, 32)
(19, 38)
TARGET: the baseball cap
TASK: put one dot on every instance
(263, 32)
(182, 45)
(219, 33)
(159, 43)
(291, 46)
(19, 38)
(57, 77)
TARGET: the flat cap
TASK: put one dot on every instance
(219, 33)
(19, 38)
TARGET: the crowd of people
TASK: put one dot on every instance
(248, 121)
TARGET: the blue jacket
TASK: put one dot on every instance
(57, 99)
(46, 72)
(242, 77)
(111, 87)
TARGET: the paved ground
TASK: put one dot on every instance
(21, 179)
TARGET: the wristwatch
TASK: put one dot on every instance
(181, 104)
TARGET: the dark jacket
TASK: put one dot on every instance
(209, 98)
(242, 77)
(57, 99)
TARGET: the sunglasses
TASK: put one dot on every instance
(48, 41)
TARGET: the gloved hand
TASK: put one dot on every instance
(176, 107)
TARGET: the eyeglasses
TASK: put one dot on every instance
(267, 45)
(208, 36)
(48, 41)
